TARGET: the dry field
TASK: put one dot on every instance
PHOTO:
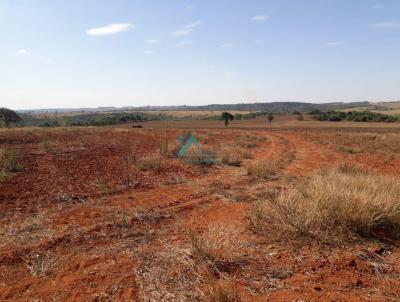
(305, 211)
(281, 122)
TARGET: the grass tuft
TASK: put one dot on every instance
(220, 248)
(263, 169)
(232, 156)
(9, 163)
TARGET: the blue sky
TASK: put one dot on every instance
(90, 53)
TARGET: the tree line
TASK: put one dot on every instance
(354, 116)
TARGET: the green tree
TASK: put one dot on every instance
(270, 119)
(8, 116)
(226, 116)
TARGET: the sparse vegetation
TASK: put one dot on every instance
(366, 204)
(8, 163)
(152, 162)
(374, 143)
(222, 290)
(45, 144)
(40, 264)
(263, 169)
(250, 141)
(220, 248)
(233, 156)
(103, 213)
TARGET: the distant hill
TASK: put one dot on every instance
(283, 107)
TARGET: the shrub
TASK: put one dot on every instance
(152, 162)
(263, 169)
(337, 201)
(8, 163)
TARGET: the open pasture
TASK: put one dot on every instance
(110, 214)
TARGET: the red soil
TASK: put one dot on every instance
(89, 228)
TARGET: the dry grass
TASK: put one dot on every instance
(40, 264)
(263, 169)
(204, 155)
(219, 248)
(365, 142)
(223, 290)
(8, 163)
(233, 156)
(26, 231)
(152, 162)
(337, 201)
(248, 141)
(132, 172)
(167, 274)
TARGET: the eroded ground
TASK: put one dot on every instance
(80, 222)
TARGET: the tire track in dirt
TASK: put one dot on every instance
(308, 156)
(298, 156)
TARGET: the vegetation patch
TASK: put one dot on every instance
(344, 200)
(219, 249)
(354, 116)
(365, 143)
(9, 163)
(152, 162)
(222, 290)
(263, 169)
(250, 141)
(233, 156)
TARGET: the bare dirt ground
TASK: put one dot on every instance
(76, 224)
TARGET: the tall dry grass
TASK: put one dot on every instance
(344, 200)
(152, 162)
(365, 142)
(220, 248)
(233, 156)
(8, 163)
(222, 290)
(263, 169)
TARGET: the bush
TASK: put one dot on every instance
(337, 201)
(9, 163)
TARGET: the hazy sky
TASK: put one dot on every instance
(89, 53)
